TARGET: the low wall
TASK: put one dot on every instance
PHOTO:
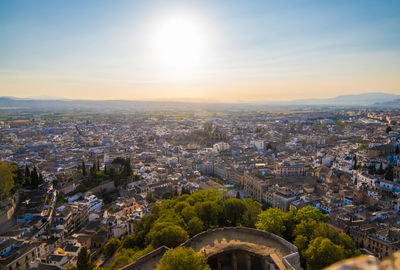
(220, 240)
(108, 186)
(7, 216)
(252, 231)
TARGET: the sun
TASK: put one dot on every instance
(179, 46)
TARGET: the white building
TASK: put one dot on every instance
(221, 146)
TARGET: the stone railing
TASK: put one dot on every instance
(287, 245)
(368, 263)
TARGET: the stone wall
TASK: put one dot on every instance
(368, 263)
(108, 186)
(289, 246)
(259, 243)
(7, 216)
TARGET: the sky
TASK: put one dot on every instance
(227, 51)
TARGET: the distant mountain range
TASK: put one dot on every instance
(366, 99)
(372, 100)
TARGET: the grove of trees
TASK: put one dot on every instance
(175, 220)
(7, 174)
(13, 177)
(319, 245)
(182, 258)
(119, 171)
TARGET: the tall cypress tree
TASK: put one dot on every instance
(40, 179)
(84, 173)
(238, 195)
(127, 170)
(27, 172)
(84, 260)
(380, 171)
(355, 163)
(389, 173)
(92, 171)
(34, 177)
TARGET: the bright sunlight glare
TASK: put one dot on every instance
(179, 46)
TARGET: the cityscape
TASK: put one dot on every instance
(123, 163)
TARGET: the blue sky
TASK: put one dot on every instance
(257, 50)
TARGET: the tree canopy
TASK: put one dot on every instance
(182, 258)
(174, 220)
(303, 227)
(170, 236)
(111, 246)
(6, 179)
(322, 252)
(84, 260)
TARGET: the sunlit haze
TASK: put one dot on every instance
(227, 51)
(179, 47)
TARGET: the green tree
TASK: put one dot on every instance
(35, 177)
(350, 249)
(211, 195)
(253, 210)
(195, 226)
(180, 206)
(388, 129)
(127, 169)
(272, 220)
(308, 213)
(355, 163)
(40, 178)
(129, 242)
(84, 261)
(188, 213)
(93, 171)
(305, 228)
(362, 147)
(27, 171)
(323, 230)
(84, 173)
(118, 160)
(6, 179)
(389, 173)
(60, 198)
(185, 191)
(120, 261)
(112, 172)
(301, 242)
(322, 252)
(111, 246)
(170, 236)
(182, 258)
(208, 212)
(380, 170)
(233, 210)
(238, 195)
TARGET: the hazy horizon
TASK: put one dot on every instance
(201, 50)
(196, 100)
